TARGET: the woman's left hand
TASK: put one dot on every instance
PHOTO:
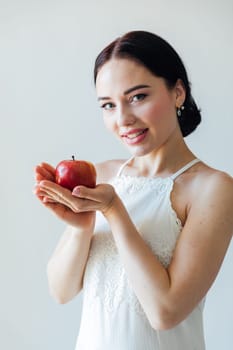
(81, 199)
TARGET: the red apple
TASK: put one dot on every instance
(72, 173)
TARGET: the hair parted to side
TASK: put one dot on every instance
(159, 57)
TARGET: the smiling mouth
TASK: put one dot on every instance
(132, 136)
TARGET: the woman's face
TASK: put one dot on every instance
(137, 105)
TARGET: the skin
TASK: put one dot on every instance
(202, 198)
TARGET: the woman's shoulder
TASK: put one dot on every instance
(210, 176)
(108, 169)
(210, 182)
(203, 189)
(219, 183)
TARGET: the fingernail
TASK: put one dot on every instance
(76, 191)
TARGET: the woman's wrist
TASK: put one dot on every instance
(77, 232)
(113, 208)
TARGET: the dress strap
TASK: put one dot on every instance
(184, 168)
(123, 166)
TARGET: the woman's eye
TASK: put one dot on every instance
(138, 97)
(107, 106)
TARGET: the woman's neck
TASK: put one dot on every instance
(164, 161)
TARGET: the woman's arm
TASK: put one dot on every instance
(66, 266)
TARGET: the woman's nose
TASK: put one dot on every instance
(125, 117)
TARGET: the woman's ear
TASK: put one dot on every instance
(180, 93)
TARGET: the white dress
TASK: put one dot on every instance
(112, 317)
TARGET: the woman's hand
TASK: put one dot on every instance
(56, 199)
(44, 171)
(82, 199)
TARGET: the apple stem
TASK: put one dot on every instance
(72, 157)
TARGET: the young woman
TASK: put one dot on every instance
(146, 244)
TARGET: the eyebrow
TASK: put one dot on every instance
(133, 88)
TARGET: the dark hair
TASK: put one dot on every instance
(159, 57)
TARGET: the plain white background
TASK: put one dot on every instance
(48, 112)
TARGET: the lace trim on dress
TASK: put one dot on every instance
(158, 184)
(132, 184)
(106, 279)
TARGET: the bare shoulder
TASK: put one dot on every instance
(202, 179)
(212, 194)
(200, 187)
(108, 169)
(210, 180)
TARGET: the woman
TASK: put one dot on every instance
(164, 218)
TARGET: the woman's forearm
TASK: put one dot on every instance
(66, 267)
(150, 280)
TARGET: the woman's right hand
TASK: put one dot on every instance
(83, 221)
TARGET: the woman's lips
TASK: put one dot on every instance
(135, 136)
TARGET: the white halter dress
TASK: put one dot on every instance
(112, 317)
